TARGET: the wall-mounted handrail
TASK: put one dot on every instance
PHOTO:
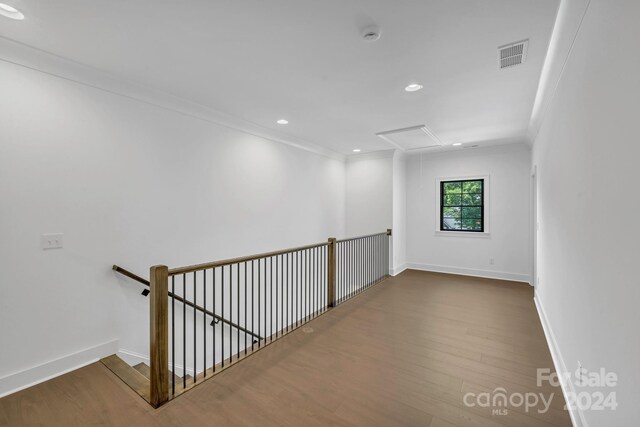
(145, 282)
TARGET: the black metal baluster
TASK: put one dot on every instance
(289, 290)
(366, 262)
(238, 310)
(204, 322)
(264, 276)
(323, 271)
(286, 288)
(359, 253)
(222, 315)
(213, 322)
(357, 266)
(259, 298)
(173, 334)
(371, 264)
(184, 331)
(314, 294)
(270, 298)
(253, 301)
(342, 277)
(294, 301)
(230, 313)
(349, 267)
(245, 310)
(379, 259)
(194, 328)
(308, 282)
(300, 260)
(365, 269)
(277, 292)
(339, 264)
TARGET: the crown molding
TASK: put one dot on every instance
(372, 155)
(17, 53)
(569, 18)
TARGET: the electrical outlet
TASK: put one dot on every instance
(51, 241)
(492, 261)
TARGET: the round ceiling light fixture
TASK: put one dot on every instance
(413, 87)
(283, 122)
(10, 12)
(457, 144)
(356, 150)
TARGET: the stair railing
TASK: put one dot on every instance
(256, 300)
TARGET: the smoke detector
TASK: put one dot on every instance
(371, 33)
(512, 54)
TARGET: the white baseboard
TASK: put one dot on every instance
(577, 416)
(500, 275)
(132, 358)
(37, 374)
(398, 270)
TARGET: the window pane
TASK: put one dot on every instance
(472, 187)
(471, 213)
(472, 224)
(472, 199)
(452, 199)
(451, 212)
(451, 224)
(452, 187)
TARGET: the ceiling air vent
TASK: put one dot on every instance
(513, 54)
(411, 138)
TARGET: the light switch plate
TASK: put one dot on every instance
(51, 241)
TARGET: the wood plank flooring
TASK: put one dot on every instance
(403, 353)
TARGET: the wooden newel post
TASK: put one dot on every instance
(159, 335)
(331, 274)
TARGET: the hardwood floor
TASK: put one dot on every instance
(405, 352)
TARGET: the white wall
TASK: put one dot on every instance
(137, 185)
(508, 242)
(369, 193)
(586, 155)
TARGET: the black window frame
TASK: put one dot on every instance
(442, 205)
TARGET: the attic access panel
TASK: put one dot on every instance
(411, 138)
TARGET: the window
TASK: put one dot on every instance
(462, 205)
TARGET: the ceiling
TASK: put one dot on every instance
(306, 61)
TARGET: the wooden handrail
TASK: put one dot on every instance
(130, 275)
(145, 282)
(208, 265)
(386, 233)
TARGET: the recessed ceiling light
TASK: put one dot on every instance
(356, 150)
(457, 144)
(413, 87)
(10, 12)
(283, 122)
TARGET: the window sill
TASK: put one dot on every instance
(483, 235)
